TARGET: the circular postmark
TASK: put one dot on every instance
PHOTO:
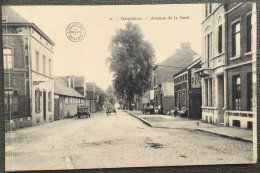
(75, 31)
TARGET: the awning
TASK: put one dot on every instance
(204, 72)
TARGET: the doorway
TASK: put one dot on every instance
(220, 98)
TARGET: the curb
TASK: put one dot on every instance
(226, 136)
(202, 130)
(144, 121)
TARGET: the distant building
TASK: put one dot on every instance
(167, 96)
(66, 100)
(91, 96)
(229, 64)
(187, 90)
(164, 71)
(28, 70)
(74, 82)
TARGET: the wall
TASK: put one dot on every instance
(38, 43)
(168, 103)
(17, 77)
(18, 123)
(242, 71)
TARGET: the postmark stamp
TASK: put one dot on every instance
(75, 32)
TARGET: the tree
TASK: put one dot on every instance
(131, 61)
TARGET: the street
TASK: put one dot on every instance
(116, 141)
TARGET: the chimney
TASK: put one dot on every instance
(68, 81)
(72, 82)
(185, 45)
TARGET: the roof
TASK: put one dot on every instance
(174, 64)
(168, 89)
(193, 63)
(13, 18)
(60, 88)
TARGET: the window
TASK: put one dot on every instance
(184, 98)
(37, 61)
(179, 97)
(206, 93)
(176, 99)
(155, 82)
(249, 92)
(236, 93)
(49, 102)
(208, 48)
(37, 101)
(8, 60)
(66, 100)
(210, 92)
(44, 64)
(220, 39)
(249, 32)
(50, 67)
(208, 9)
(236, 39)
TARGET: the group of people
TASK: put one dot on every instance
(110, 109)
(153, 109)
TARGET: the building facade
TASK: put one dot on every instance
(164, 71)
(187, 90)
(167, 91)
(241, 64)
(229, 64)
(66, 100)
(91, 100)
(28, 68)
(213, 63)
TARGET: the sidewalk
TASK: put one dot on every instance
(167, 121)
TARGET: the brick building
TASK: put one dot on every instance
(164, 71)
(241, 64)
(187, 90)
(229, 64)
(28, 59)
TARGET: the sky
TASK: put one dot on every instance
(87, 57)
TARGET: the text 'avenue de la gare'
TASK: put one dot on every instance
(152, 18)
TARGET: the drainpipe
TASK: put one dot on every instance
(29, 68)
(255, 78)
(226, 121)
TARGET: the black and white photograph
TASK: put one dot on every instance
(129, 86)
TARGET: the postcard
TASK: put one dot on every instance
(121, 86)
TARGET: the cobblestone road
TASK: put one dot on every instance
(116, 141)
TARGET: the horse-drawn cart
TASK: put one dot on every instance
(83, 111)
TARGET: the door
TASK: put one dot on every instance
(195, 107)
(56, 109)
(220, 99)
(44, 105)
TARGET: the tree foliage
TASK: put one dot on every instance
(131, 61)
